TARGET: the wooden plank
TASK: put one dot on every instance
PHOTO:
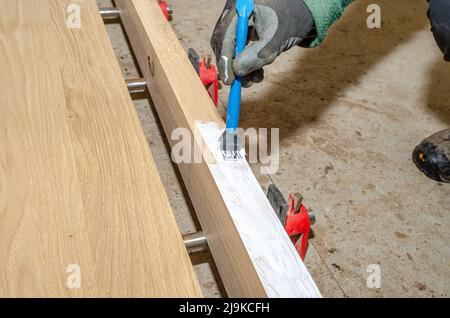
(78, 184)
(252, 251)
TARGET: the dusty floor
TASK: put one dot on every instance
(350, 113)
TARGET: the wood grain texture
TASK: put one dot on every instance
(252, 251)
(78, 184)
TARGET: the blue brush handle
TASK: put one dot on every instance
(244, 9)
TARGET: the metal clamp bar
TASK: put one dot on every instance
(109, 13)
(195, 242)
(114, 13)
(137, 86)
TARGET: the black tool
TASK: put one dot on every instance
(432, 156)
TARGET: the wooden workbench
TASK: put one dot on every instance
(78, 186)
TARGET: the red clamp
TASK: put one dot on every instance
(209, 78)
(298, 223)
(207, 73)
(166, 9)
(294, 216)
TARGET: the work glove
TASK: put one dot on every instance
(274, 27)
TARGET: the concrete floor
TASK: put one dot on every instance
(350, 113)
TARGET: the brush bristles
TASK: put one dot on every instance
(232, 155)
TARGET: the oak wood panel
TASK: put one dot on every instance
(78, 184)
(252, 251)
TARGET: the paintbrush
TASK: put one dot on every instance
(231, 142)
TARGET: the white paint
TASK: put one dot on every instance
(277, 263)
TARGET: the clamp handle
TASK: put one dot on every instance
(244, 10)
(298, 223)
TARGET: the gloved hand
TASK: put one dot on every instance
(274, 27)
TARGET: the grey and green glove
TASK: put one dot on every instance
(274, 27)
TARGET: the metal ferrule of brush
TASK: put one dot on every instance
(231, 145)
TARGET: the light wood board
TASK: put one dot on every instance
(253, 253)
(78, 185)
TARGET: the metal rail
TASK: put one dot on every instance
(195, 242)
(113, 13)
(136, 86)
(109, 13)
